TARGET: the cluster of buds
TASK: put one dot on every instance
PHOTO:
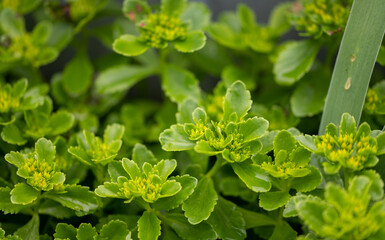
(344, 214)
(38, 167)
(291, 161)
(148, 182)
(21, 48)
(372, 100)
(8, 103)
(350, 150)
(159, 29)
(318, 17)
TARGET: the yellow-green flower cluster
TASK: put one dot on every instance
(38, 167)
(319, 17)
(348, 150)
(100, 150)
(214, 107)
(12, 4)
(345, 214)
(158, 29)
(40, 173)
(148, 187)
(22, 48)
(372, 100)
(8, 103)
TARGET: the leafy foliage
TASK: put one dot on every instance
(172, 125)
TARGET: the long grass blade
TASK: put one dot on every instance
(355, 61)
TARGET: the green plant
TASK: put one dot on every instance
(183, 128)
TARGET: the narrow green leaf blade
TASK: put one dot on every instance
(355, 61)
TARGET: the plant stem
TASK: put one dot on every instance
(143, 204)
(215, 168)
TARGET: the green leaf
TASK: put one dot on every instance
(172, 7)
(116, 230)
(376, 190)
(273, 200)
(6, 206)
(61, 34)
(311, 211)
(121, 78)
(238, 100)
(175, 139)
(254, 219)
(129, 45)
(201, 203)
(180, 84)
(15, 158)
(131, 168)
(115, 170)
(30, 231)
(307, 142)
(77, 75)
(246, 16)
(170, 188)
(294, 61)
(55, 209)
(61, 122)
(23, 194)
(187, 231)
(205, 148)
(65, 231)
(224, 35)
(381, 56)
(140, 155)
(113, 132)
(283, 231)
(279, 19)
(308, 182)
(188, 184)
(45, 150)
(380, 144)
(309, 97)
(165, 168)
(76, 197)
(184, 111)
(12, 135)
(355, 61)
(108, 189)
(233, 73)
(80, 154)
(197, 15)
(284, 141)
(347, 124)
(227, 221)
(253, 176)
(86, 232)
(253, 128)
(11, 23)
(194, 41)
(41, 32)
(148, 226)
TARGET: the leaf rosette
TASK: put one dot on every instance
(345, 214)
(140, 178)
(158, 29)
(289, 170)
(346, 146)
